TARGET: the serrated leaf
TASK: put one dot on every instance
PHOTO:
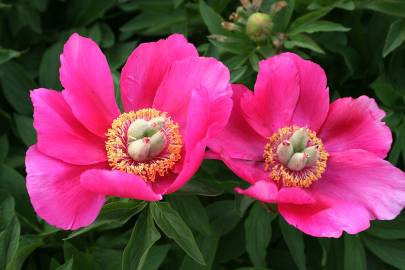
(295, 242)
(142, 239)
(258, 234)
(395, 37)
(355, 255)
(170, 222)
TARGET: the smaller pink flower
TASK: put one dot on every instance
(87, 149)
(323, 165)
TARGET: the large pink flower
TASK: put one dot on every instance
(321, 163)
(174, 101)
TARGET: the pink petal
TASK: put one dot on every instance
(356, 124)
(146, 68)
(362, 177)
(249, 170)
(194, 139)
(60, 134)
(238, 140)
(313, 102)
(56, 194)
(265, 191)
(118, 183)
(190, 74)
(86, 76)
(323, 220)
(277, 90)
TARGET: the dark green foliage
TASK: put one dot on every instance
(360, 44)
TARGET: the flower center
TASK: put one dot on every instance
(146, 143)
(295, 157)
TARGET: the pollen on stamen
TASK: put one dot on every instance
(117, 146)
(280, 172)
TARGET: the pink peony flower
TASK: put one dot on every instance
(174, 101)
(321, 164)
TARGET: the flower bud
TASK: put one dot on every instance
(313, 155)
(139, 149)
(297, 161)
(157, 144)
(259, 26)
(137, 129)
(299, 140)
(285, 151)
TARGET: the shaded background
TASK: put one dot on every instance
(358, 43)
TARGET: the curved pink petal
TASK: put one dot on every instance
(194, 138)
(56, 194)
(60, 134)
(362, 177)
(238, 140)
(276, 93)
(146, 67)
(324, 220)
(267, 191)
(118, 183)
(173, 95)
(313, 102)
(356, 124)
(249, 170)
(86, 76)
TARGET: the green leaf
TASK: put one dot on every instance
(223, 216)
(386, 92)
(258, 233)
(310, 17)
(170, 222)
(318, 26)
(6, 209)
(16, 85)
(212, 19)
(295, 242)
(4, 147)
(49, 67)
(208, 245)
(7, 54)
(83, 12)
(390, 7)
(192, 211)
(142, 239)
(355, 255)
(25, 129)
(113, 213)
(303, 41)
(14, 183)
(28, 243)
(9, 242)
(391, 252)
(119, 53)
(395, 37)
(390, 229)
(156, 256)
(67, 265)
(282, 18)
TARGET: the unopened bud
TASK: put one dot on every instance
(297, 161)
(313, 155)
(284, 152)
(139, 149)
(299, 140)
(137, 129)
(259, 26)
(157, 143)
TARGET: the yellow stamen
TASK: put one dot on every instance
(281, 173)
(117, 146)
